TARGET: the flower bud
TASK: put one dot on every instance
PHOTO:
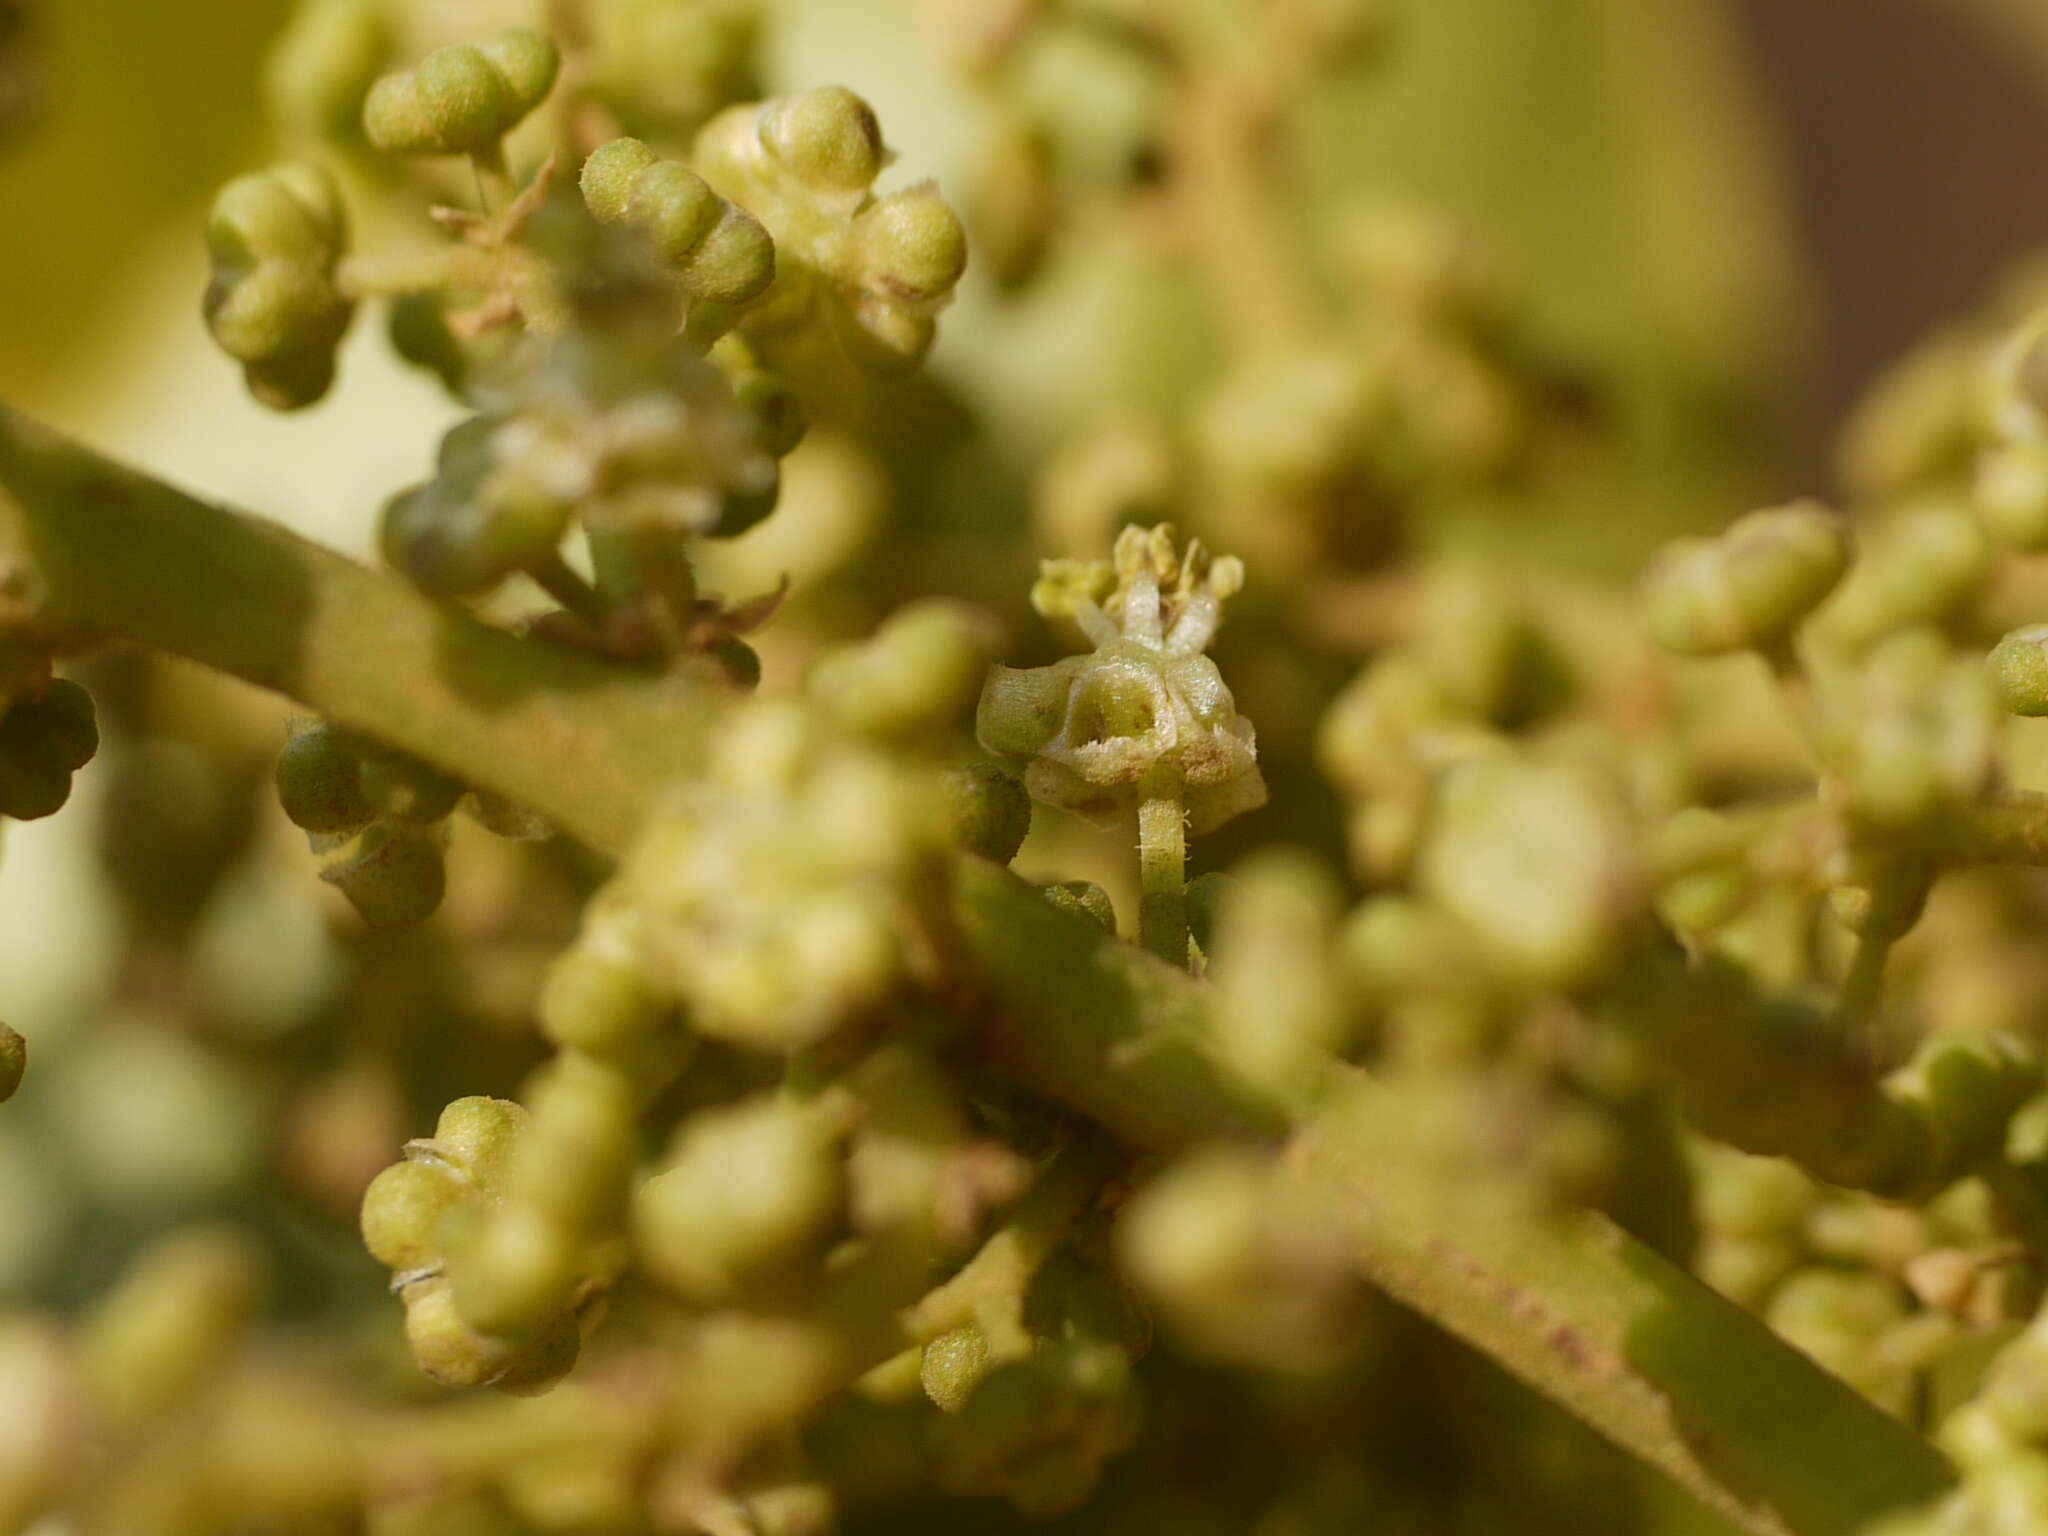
(1918, 568)
(2019, 671)
(272, 304)
(2011, 494)
(828, 139)
(402, 1209)
(322, 67)
(45, 737)
(477, 1134)
(394, 875)
(1751, 586)
(461, 100)
(1240, 1264)
(1536, 858)
(953, 1365)
(1912, 731)
(921, 671)
(171, 1321)
(718, 251)
(13, 1062)
(599, 1001)
(319, 782)
(991, 811)
(1083, 898)
(911, 245)
(750, 1195)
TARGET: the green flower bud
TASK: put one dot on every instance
(170, 1322)
(511, 1270)
(1750, 587)
(319, 782)
(779, 420)
(63, 712)
(461, 100)
(393, 874)
(1083, 898)
(2011, 494)
(418, 326)
(1240, 1263)
(1968, 1088)
(477, 1134)
(1016, 206)
(2019, 671)
(1839, 1318)
(13, 1062)
(921, 671)
(829, 139)
(272, 305)
(1916, 426)
(35, 779)
(1536, 858)
(402, 1209)
(911, 245)
(482, 517)
(991, 811)
(599, 1001)
(1912, 731)
(1918, 568)
(448, 1350)
(1038, 1431)
(749, 1198)
(719, 251)
(1752, 1197)
(670, 64)
(953, 1365)
(322, 67)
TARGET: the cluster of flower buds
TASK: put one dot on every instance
(718, 253)
(463, 1245)
(875, 270)
(276, 238)
(788, 895)
(376, 817)
(47, 733)
(627, 437)
(461, 100)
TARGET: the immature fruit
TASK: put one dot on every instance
(272, 304)
(461, 100)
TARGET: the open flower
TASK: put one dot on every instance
(1146, 704)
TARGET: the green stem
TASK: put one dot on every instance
(1163, 869)
(555, 577)
(1580, 1311)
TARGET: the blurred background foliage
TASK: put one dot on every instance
(1726, 215)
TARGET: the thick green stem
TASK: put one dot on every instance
(1163, 870)
(1582, 1312)
(89, 551)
